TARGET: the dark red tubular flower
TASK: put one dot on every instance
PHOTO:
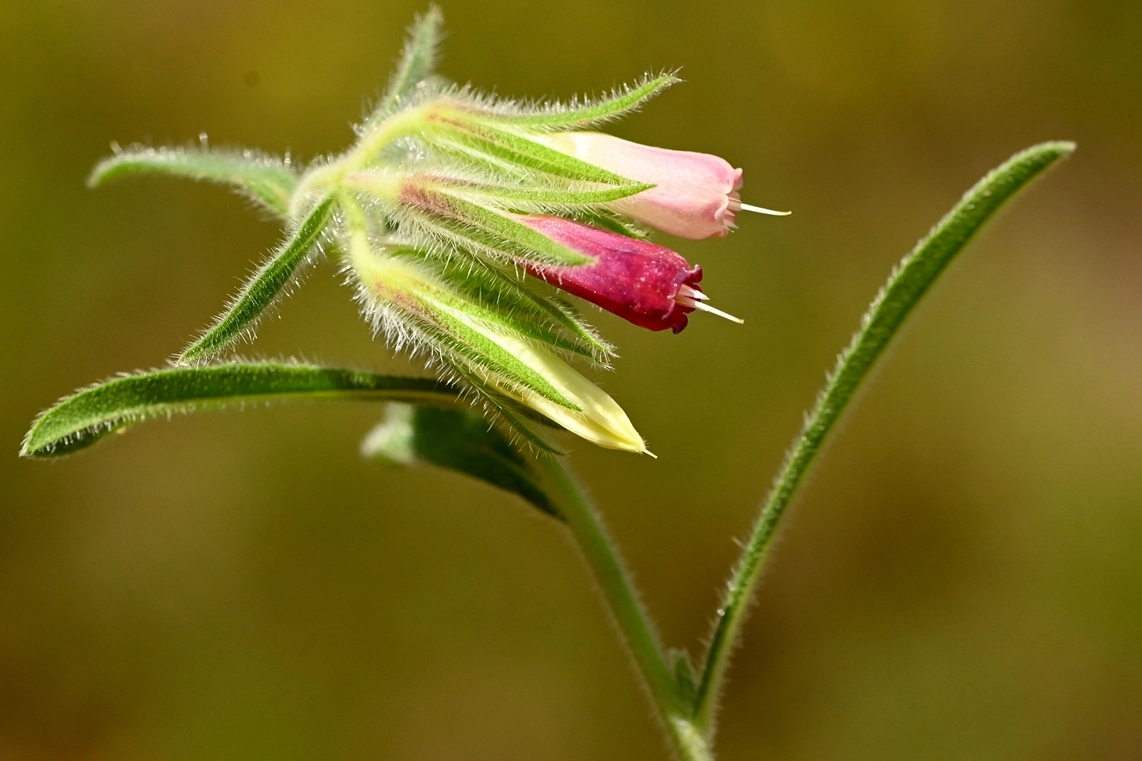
(642, 282)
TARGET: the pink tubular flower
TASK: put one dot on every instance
(644, 283)
(695, 195)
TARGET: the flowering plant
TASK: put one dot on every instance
(458, 219)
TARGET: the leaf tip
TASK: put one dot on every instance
(100, 172)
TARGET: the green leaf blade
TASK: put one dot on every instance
(263, 289)
(460, 441)
(266, 180)
(906, 286)
(90, 414)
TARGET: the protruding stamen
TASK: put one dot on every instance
(686, 301)
(692, 293)
(762, 210)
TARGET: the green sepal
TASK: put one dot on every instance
(558, 116)
(477, 141)
(267, 180)
(416, 64)
(483, 352)
(466, 222)
(261, 290)
(498, 296)
(90, 414)
(457, 440)
(512, 413)
(496, 299)
(473, 357)
(546, 196)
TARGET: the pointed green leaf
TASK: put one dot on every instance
(416, 64)
(468, 223)
(456, 440)
(579, 116)
(906, 286)
(476, 140)
(261, 290)
(264, 179)
(549, 197)
(90, 414)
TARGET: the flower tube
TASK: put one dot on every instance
(695, 195)
(642, 282)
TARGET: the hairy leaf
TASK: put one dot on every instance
(267, 180)
(90, 414)
(261, 290)
(906, 286)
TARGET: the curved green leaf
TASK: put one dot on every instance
(261, 290)
(907, 284)
(458, 440)
(90, 414)
(267, 180)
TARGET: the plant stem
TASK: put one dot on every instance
(905, 287)
(628, 611)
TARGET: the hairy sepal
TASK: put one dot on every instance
(547, 320)
(413, 303)
(578, 114)
(465, 223)
(451, 128)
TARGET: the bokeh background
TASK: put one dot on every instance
(961, 579)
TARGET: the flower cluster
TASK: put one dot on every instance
(461, 218)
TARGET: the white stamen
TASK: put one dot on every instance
(761, 210)
(692, 293)
(686, 301)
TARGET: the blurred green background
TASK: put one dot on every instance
(962, 578)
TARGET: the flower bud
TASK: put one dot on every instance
(695, 195)
(416, 304)
(642, 282)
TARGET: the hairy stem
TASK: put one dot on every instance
(627, 610)
(905, 287)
